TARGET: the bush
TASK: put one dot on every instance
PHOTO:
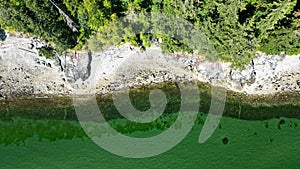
(47, 52)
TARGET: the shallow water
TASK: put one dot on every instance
(250, 144)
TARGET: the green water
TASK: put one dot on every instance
(271, 143)
(255, 132)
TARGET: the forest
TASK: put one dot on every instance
(236, 28)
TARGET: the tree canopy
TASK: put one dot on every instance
(236, 28)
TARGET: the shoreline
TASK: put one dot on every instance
(238, 105)
(25, 74)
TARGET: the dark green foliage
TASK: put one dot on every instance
(233, 41)
(37, 17)
(282, 40)
(106, 36)
(278, 28)
(236, 28)
(48, 52)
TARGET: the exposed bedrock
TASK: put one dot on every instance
(24, 73)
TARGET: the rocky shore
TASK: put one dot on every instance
(24, 73)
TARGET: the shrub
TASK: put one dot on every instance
(47, 52)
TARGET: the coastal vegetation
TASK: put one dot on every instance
(236, 28)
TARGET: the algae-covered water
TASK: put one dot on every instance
(255, 132)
